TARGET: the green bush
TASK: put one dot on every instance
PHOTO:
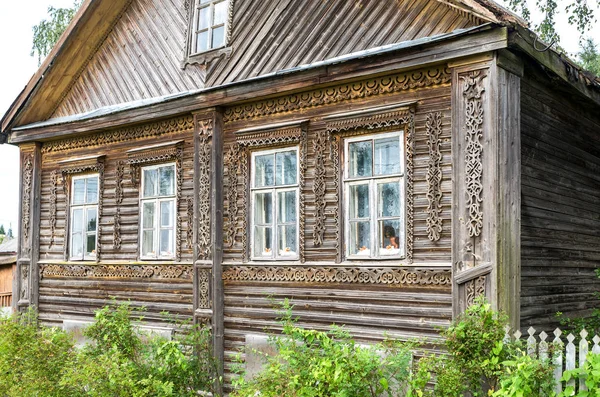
(313, 363)
(32, 359)
(590, 374)
(524, 375)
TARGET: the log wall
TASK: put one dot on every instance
(560, 203)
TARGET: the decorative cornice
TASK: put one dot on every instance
(345, 275)
(116, 271)
(434, 176)
(371, 122)
(181, 124)
(340, 93)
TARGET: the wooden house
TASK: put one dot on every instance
(8, 263)
(381, 163)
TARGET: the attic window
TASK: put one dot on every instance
(209, 26)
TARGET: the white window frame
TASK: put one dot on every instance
(373, 181)
(157, 200)
(274, 190)
(85, 206)
(195, 29)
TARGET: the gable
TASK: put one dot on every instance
(141, 57)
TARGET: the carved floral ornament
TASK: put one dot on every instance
(204, 187)
(236, 164)
(26, 205)
(434, 176)
(117, 271)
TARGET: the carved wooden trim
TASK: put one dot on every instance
(26, 211)
(204, 277)
(119, 174)
(189, 234)
(53, 182)
(181, 124)
(92, 164)
(156, 155)
(117, 271)
(204, 189)
(24, 283)
(345, 275)
(472, 91)
(339, 128)
(434, 176)
(474, 289)
(319, 187)
(340, 93)
(239, 153)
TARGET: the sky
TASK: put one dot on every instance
(17, 18)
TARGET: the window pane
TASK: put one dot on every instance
(360, 159)
(220, 13)
(77, 221)
(204, 1)
(218, 37)
(167, 181)
(286, 236)
(286, 204)
(360, 238)
(286, 168)
(202, 41)
(387, 156)
(78, 191)
(91, 245)
(203, 18)
(166, 214)
(92, 190)
(150, 181)
(166, 242)
(263, 170)
(359, 201)
(262, 242)
(148, 216)
(91, 220)
(77, 246)
(389, 199)
(390, 237)
(148, 243)
(263, 208)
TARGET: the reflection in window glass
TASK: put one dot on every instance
(150, 181)
(287, 169)
(387, 156)
(361, 159)
(210, 24)
(389, 199)
(78, 191)
(286, 204)
(360, 238)
(264, 170)
(262, 242)
(167, 180)
(287, 241)
(359, 201)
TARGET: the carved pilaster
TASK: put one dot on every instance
(27, 179)
(434, 176)
(319, 146)
(232, 166)
(119, 174)
(203, 149)
(53, 182)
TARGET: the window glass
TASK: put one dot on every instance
(287, 169)
(286, 204)
(210, 24)
(218, 37)
(91, 190)
(360, 238)
(148, 215)
(220, 13)
(264, 170)
(390, 237)
(166, 242)
(359, 201)
(166, 214)
(263, 208)
(150, 182)
(287, 241)
(204, 18)
(387, 156)
(77, 246)
(361, 159)
(389, 199)
(262, 242)
(148, 243)
(78, 191)
(167, 180)
(91, 220)
(91, 245)
(202, 41)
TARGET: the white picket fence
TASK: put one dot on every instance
(566, 356)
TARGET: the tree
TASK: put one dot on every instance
(48, 31)
(580, 13)
(2, 230)
(590, 56)
(10, 232)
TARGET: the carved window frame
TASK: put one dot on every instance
(237, 164)
(84, 206)
(369, 122)
(82, 166)
(158, 154)
(205, 57)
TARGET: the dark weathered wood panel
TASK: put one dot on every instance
(560, 204)
(272, 35)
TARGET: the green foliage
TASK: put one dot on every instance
(526, 376)
(590, 56)
(590, 372)
(32, 359)
(2, 229)
(312, 363)
(590, 322)
(48, 31)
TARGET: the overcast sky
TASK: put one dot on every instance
(17, 17)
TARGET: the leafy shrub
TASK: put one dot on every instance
(590, 373)
(32, 359)
(526, 376)
(314, 363)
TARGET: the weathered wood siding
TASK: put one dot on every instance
(368, 309)
(141, 57)
(560, 203)
(74, 290)
(273, 35)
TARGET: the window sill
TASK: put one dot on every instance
(203, 58)
(158, 262)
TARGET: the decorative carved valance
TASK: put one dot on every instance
(343, 125)
(117, 271)
(345, 275)
(236, 162)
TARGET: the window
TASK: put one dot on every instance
(275, 204)
(210, 25)
(374, 188)
(158, 206)
(84, 217)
